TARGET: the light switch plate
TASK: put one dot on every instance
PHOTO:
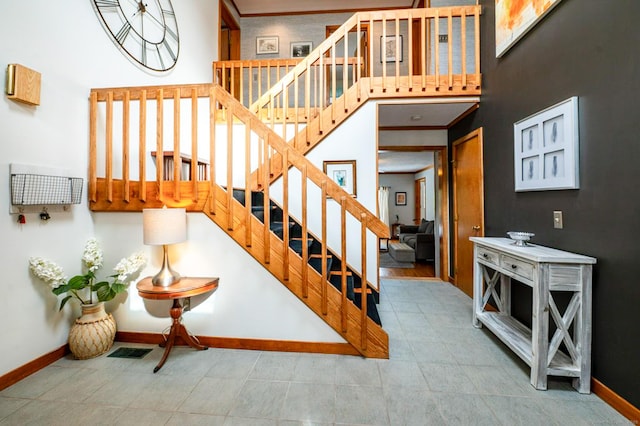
(557, 219)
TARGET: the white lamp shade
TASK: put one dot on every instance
(164, 226)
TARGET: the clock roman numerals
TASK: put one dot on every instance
(143, 57)
(124, 32)
(108, 5)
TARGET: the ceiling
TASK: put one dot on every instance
(403, 161)
(262, 7)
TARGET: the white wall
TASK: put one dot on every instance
(399, 183)
(74, 54)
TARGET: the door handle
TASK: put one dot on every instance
(476, 228)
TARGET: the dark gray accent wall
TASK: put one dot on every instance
(589, 49)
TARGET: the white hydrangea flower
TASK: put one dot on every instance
(47, 271)
(129, 266)
(92, 256)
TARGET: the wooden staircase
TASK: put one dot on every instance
(299, 105)
(260, 151)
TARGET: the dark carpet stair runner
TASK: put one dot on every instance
(354, 283)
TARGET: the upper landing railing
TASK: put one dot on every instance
(398, 53)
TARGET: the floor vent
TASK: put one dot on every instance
(130, 353)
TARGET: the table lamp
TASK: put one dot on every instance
(163, 227)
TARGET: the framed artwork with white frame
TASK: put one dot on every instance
(267, 44)
(343, 173)
(391, 48)
(546, 149)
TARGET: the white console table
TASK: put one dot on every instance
(545, 270)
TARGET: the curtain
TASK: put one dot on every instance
(383, 203)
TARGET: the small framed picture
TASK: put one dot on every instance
(401, 198)
(267, 44)
(300, 49)
(390, 48)
(343, 173)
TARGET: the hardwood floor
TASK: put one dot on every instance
(419, 270)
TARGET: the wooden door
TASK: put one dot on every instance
(468, 205)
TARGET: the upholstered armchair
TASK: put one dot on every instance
(420, 238)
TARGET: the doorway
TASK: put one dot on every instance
(435, 206)
(229, 46)
(468, 206)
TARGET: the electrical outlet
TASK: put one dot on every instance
(557, 219)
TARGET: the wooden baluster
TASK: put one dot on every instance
(321, 91)
(343, 262)
(272, 111)
(296, 108)
(259, 85)
(463, 48)
(159, 143)
(307, 101)
(358, 61)
(247, 182)
(93, 146)
(240, 72)
(194, 144)
(345, 71)
(142, 146)
(333, 82)
(109, 147)
(371, 73)
(213, 106)
(398, 54)
(125, 147)
(250, 78)
(450, 48)
(383, 53)
(266, 201)
(424, 53)
(363, 282)
(410, 50)
(177, 160)
(285, 101)
(305, 245)
(232, 79)
(437, 49)
(224, 76)
(285, 214)
(325, 274)
(229, 169)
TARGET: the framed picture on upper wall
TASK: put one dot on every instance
(546, 149)
(300, 49)
(390, 48)
(343, 173)
(515, 18)
(267, 44)
(401, 198)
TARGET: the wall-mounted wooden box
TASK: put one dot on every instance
(23, 84)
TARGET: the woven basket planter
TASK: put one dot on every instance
(93, 333)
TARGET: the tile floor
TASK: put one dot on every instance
(441, 371)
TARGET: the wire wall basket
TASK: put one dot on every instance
(33, 189)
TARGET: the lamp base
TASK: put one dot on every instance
(167, 276)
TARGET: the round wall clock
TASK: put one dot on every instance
(146, 31)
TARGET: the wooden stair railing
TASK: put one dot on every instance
(320, 92)
(235, 148)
